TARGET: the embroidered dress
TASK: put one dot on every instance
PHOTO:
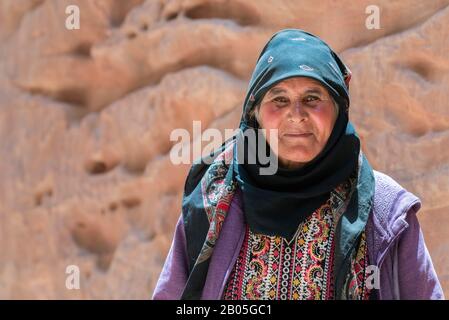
(272, 268)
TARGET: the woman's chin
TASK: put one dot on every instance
(297, 154)
(295, 160)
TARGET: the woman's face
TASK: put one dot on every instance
(303, 112)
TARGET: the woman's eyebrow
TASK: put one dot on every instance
(276, 90)
(314, 90)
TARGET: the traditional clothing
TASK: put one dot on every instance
(305, 229)
(394, 241)
(272, 267)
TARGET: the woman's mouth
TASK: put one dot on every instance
(298, 135)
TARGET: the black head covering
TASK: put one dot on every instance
(275, 204)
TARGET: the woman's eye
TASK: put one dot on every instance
(312, 101)
(280, 100)
(311, 98)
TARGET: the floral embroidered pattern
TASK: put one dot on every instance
(217, 189)
(357, 284)
(270, 267)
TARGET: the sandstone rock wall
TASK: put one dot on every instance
(86, 116)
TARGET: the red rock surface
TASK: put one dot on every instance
(86, 116)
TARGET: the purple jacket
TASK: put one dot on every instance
(395, 244)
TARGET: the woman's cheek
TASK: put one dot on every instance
(270, 119)
(322, 119)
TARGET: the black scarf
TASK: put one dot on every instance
(276, 204)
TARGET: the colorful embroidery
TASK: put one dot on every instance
(270, 267)
(217, 188)
(356, 281)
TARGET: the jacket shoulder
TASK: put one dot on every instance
(386, 184)
(392, 202)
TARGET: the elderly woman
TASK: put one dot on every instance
(324, 225)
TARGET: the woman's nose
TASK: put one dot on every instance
(297, 111)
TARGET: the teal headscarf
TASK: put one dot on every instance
(296, 53)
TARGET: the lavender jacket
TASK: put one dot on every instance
(395, 243)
